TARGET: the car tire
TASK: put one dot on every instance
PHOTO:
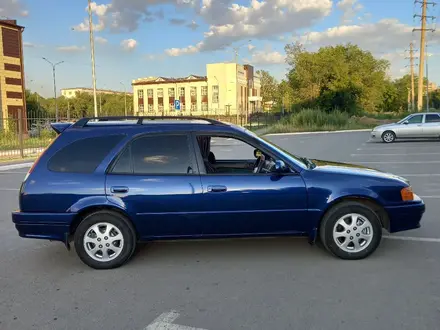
(388, 137)
(105, 240)
(348, 240)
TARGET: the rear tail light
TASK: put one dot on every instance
(407, 194)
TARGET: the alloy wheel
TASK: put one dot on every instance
(103, 242)
(353, 233)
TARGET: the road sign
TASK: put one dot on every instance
(177, 104)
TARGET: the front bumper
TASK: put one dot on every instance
(376, 135)
(405, 217)
(50, 226)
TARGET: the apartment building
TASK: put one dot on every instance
(12, 89)
(71, 92)
(227, 89)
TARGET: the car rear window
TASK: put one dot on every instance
(83, 156)
(432, 118)
(162, 154)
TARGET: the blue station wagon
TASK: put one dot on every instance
(108, 183)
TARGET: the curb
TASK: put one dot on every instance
(322, 132)
(15, 166)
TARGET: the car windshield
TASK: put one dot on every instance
(300, 161)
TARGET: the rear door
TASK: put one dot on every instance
(156, 179)
(431, 126)
(412, 129)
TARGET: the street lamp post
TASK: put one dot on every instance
(92, 48)
(125, 97)
(54, 84)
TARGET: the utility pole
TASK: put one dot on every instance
(411, 61)
(125, 97)
(236, 49)
(54, 85)
(409, 99)
(427, 81)
(422, 30)
(92, 48)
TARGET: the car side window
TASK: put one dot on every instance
(432, 118)
(157, 154)
(83, 156)
(230, 155)
(231, 149)
(417, 119)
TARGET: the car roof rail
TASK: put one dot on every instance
(140, 119)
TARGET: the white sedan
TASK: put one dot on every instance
(418, 125)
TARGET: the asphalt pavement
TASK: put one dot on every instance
(273, 283)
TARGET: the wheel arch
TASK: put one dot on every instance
(83, 213)
(375, 205)
(391, 131)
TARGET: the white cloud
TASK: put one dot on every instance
(101, 40)
(183, 51)
(349, 9)
(125, 15)
(13, 8)
(29, 44)
(71, 49)
(266, 58)
(100, 11)
(229, 22)
(387, 38)
(386, 35)
(129, 45)
(259, 20)
(250, 47)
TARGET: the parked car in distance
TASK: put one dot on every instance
(414, 126)
(108, 183)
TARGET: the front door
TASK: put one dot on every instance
(238, 201)
(412, 128)
(156, 180)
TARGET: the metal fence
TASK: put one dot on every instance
(27, 137)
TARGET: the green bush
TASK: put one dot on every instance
(316, 120)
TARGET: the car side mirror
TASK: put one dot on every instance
(280, 166)
(405, 122)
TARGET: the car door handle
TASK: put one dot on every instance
(119, 190)
(217, 188)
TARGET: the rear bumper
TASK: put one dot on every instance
(405, 217)
(48, 226)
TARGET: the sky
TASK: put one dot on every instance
(176, 38)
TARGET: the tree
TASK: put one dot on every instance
(269, 86)
(343, 77)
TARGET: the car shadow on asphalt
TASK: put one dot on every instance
(401, 141)
(242, 252)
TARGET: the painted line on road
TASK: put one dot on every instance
(430, 197)
(321, 132)
(165, 322)
(7, 172)
(406, 162)
(9, 189)
(406, 154)
(424, 175)
(414, 239)
(15, 166)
